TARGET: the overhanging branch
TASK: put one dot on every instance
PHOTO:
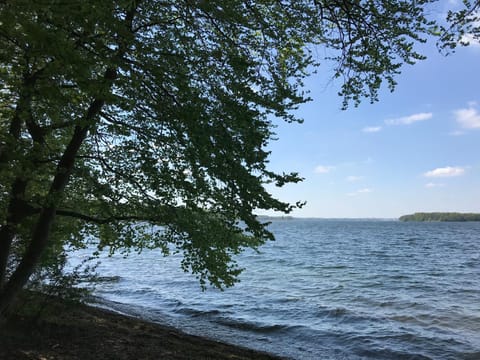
(105, 220)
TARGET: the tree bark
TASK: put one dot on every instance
(7, 231)
(41, 232)
(14, 210)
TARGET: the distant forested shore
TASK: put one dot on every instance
(441, 216)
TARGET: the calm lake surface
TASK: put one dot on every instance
(325, 289)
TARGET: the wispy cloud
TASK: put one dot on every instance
(322, 169)
(353, 178)
(448, 171)
(431, 185)
(361, 191)
(457, 133)
(471, 40)
(468, 118)
(407, 120)
(371, 129)
(364, 191)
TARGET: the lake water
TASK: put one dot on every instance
(325, 289)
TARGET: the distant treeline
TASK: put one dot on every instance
(441, 216)
(266, 217)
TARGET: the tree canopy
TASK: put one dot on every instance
(144, 123)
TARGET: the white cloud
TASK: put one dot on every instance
(364, 191)
(468, 118)
(353, 178)
(431, 185)
(470, 40)
(448, 171)
(372, 129)
(361, 191)
(321, 169)
(407, 120)
(457, 133)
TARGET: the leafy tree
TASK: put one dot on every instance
(144, 124)
(463, 26)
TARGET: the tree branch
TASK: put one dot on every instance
(106, 220)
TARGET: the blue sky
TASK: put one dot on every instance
(417, 149)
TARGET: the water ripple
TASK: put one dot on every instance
(325, 289)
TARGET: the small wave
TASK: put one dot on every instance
(472, 263)
(107, 279)
(399, 277)
(390, 354)
(471, 355)
(337, 313)
(253, 326)
(198, 313)
(411, 346)
(334, 267)
(409, 319)
(289, 299)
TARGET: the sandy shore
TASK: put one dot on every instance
(52, 329)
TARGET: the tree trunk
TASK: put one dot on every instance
(41, 232)
(29, 261)
(15, 213)
(16, 207)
